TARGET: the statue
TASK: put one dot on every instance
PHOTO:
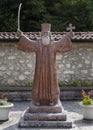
(45, 109)
(45, 89)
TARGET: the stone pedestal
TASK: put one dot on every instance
(46, 109)
(45, 117)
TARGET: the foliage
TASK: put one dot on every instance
(72, 83)
(3, 100)
(76, 83)
(86, 83)
(58, 12)
(29, 84)
(87, 98)
(63, 84)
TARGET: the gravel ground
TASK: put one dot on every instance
(72, 107)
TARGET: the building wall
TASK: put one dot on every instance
(17, 67)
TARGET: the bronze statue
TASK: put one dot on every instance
(45, 89)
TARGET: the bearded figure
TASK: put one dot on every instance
(45, 89)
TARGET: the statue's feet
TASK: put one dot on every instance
(51, 104)
(37, 104)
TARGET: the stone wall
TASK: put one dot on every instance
(17, 67)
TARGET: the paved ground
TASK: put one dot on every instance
(73, 109)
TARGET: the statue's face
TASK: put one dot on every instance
(45, 38)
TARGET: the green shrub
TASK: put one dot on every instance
(72, 83)
(86, 83)
(75, 83)
(62, 84)
(29, 84)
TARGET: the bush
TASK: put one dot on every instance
(76, 83)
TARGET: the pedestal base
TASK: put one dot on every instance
(45, 124)
(46, 109)
(45, 117)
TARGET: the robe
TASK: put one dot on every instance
(45, 89)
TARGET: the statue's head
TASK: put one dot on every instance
(45, 33)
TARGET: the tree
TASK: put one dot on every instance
(58, 12)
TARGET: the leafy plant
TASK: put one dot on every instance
(87, 98)
(76, 83)
(86, 83)
(73, 82)
(29, 84)
(63, 84)
(3, 100)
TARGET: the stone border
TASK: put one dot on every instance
(73, 93)
(24, 93)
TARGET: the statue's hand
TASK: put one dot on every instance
(19, 33)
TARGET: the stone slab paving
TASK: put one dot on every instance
(72, 107)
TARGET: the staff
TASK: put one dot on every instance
(19, 16)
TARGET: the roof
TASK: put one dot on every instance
(79, 36)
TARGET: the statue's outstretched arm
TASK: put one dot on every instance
(64, 44)
(25, 43)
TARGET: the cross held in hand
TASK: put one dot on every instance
(70, 27)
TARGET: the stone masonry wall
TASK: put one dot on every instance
(17, 67)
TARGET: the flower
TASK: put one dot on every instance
(87, 97)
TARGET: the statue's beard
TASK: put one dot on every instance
(45, 40)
